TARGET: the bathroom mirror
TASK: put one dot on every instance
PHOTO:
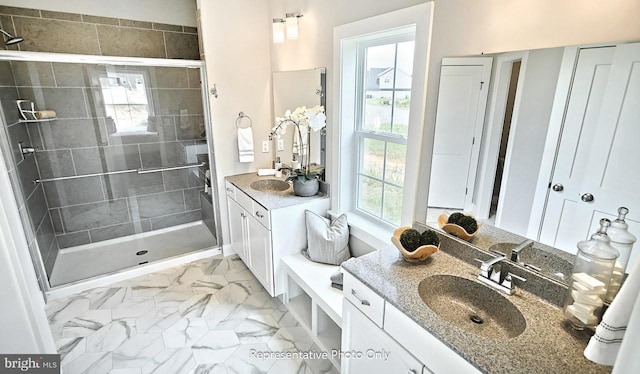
(520, 138)
(292, 89)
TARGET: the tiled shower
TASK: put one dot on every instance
(127, 153)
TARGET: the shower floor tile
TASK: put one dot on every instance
(207, 316)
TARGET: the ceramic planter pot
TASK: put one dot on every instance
(307, 188)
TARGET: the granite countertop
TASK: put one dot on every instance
(548, 344)
(272, 199)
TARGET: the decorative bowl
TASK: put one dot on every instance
(420, 254)
(456, 230)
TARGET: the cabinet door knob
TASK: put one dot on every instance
(587, 198)
(362, 301)
(558, 187)
(259, 215)
(243, 215)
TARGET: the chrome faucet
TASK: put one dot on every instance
(490, 268)
(515, 252)
(491, 275)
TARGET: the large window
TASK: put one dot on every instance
(376, 128)
(385, 71)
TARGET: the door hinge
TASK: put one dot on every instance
(466, 190)
(473, 141)
(481, 85)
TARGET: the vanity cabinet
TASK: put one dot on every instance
(261, 236)
(371, 325)
(368, 349)
(252, 242)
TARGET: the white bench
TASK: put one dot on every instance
(313, 302)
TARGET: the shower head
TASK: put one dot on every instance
(11, 39)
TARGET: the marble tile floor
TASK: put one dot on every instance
(203, 317)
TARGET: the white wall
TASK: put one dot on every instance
(527, 137)
(236, 39)
(175, 12)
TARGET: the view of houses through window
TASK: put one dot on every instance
(383, 123)
(126, 101)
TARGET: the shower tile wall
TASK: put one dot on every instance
(83, 141)
(46, 31)
(30, 197)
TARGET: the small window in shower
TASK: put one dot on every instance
(126, 101)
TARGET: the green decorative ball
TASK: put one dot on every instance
(429, 237)
(410, 240)
(455, 217)
(469, 224)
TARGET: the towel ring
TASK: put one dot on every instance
(241, 115)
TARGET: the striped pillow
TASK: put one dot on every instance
(328, 242)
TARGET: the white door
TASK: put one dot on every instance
(597, 164)
(462, 99)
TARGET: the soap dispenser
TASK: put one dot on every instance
(622, 240)
(591, 275)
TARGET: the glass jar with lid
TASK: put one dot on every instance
(622, 240)
(592, 270)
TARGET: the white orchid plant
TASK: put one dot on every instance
(305, 119)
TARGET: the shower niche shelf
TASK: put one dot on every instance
(29, 113)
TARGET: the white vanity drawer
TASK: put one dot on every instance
(364, 298)
(244, 200)
(230, 190)
(261, 214)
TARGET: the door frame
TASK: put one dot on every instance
(495, 123)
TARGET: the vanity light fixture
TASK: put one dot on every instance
(278, 30)
(292, 25)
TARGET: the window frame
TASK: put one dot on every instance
(342, 134)
(384, 136)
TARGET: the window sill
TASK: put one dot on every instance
(373, 234)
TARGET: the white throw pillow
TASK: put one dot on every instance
(328, 242)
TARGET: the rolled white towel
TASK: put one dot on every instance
(265, 172)
(45, 114)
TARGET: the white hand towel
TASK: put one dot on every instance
(296, 140)
(245, 144)
(605, 343)
(266, 172)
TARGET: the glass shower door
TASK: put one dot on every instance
(123, 166)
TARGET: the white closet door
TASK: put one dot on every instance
(462, 99)
(614, 162)
(598, 157)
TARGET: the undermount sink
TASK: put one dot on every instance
(472, 307)
(548, 263)
(270, 185)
